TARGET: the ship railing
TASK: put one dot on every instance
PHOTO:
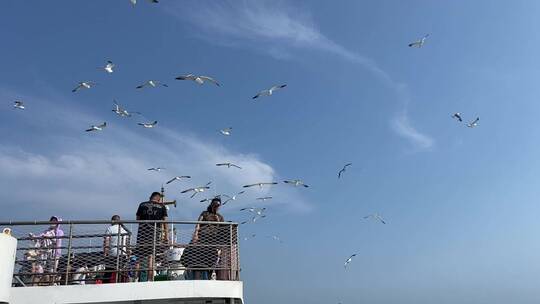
(101, 252)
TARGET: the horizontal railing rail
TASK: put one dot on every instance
(99, 252)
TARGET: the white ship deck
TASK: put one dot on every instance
(188, 292)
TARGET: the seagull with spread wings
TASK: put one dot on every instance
(375, 216)
(19, 105)
(177, 178)
(148, 125)
(264, 198)
(109, 67)
(197, 190)
(419, 43)
(198, 79)
(231, 198)
(473, 123)
(157, 169)
(349, 260)
(296, 183)
(260, 184)
(83, 85)
(226, 131)
(97, 128)
(343, 170)
(253, 219)
(120, 111)
(269, 92)
(228, 165)
(151, 84)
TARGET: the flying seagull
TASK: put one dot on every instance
(255, 210)
(83, 85)
(474, 123)
(375, 216)
(249, 237)
(151, 83)
(148, 124)
(343, 170)
(177, 178)
(276, 238)
(134, 2)
(210, 199)
(264, 198)
(228, 165)
(253, 219)
(296, 183)
(109, 67)
(97, 128)
(19, 105)
(260, 184)
(226, 131)
(198, 79)
(197, 190)
(269, 92)
(419, 43)
(157, 169)
(349, 260)
(232, 198)
(457, 116)
(121, 111)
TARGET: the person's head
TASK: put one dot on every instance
(214, 205)
(55, 221)
(115, 218)
(155, 197)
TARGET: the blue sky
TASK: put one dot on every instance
(461, 204)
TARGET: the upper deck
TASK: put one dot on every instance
(122, 262)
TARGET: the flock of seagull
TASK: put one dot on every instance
(256, 212)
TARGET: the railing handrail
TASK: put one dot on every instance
(88, 222)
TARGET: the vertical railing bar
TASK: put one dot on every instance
(68, 253)
(117, 253)
(231, 252)
(153, 258)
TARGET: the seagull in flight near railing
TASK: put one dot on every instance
(19, 105)
(176, 178)
(296, 183)
(349, 260)
(474, 123)
(226, 131)
(231, 198)
(375, 216)
(228, 165)
(121, 111)
(109, 67)
(157, 169)
(264, 198)
(270, 91)
(83, 85)
(97, 128)
(419, 43)
(148, 124)
(343, 170)
(197, 190)
(198, 79)
(255, 210)
(457, 116)
(260, 184)
(151, 83)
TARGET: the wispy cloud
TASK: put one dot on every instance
(403, 127)
(86, 175)
(279, 29)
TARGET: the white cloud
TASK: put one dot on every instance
(87, 175)
(403, 127)
(279, 29)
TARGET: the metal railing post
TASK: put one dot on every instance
(231, 256)
(117, 268)
(68, 264)
(153, 257)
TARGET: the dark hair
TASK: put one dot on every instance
(115, 217)
(154, 194)
(216, 201)
(53, 218)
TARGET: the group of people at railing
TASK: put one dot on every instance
(211, 253)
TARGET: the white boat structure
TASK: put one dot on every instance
(86, 263)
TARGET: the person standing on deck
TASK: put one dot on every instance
(149, 234)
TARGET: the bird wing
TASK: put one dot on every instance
(186, 77)
(76, 88)
(210, 79)
(188, 190)
(103, 125)
(250, 185)
(233, 165)
(170, 181)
